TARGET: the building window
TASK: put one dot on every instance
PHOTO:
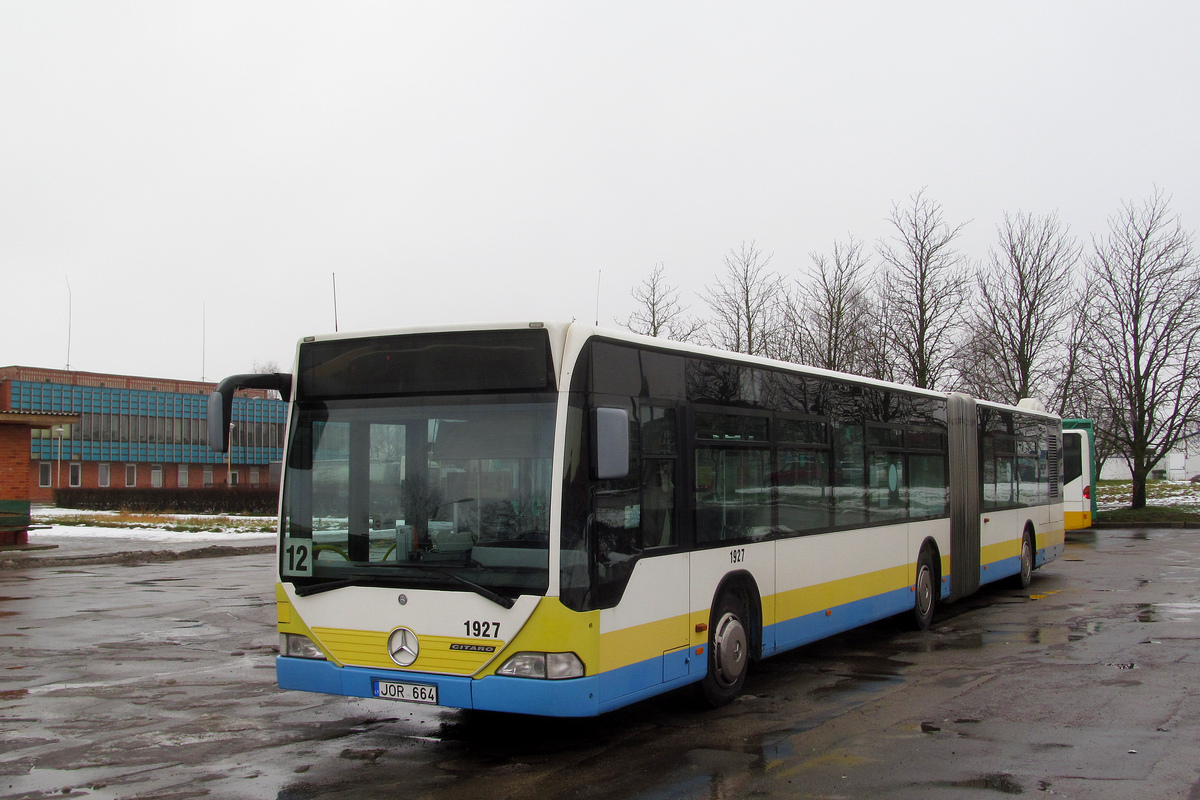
(182, 480)
(102, 476)
(208, 475)
(156, 475)
(76, 475)
(254, 476)
(131, 474)
(233, 477)
(44, 475)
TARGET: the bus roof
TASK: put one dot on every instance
(562, 332)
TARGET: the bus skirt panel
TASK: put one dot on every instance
(817, 625)
(578, 697)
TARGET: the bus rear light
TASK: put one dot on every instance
(551, 666)
(293, 645)
(1087, 493)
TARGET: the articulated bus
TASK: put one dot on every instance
(559, 520)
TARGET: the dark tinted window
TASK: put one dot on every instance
(878, 436)
(730, 427)
(662, 375)
(616, 370)
(803, 431)
(1072, 456)
(626, 371)
(718, 383)
(434, 363)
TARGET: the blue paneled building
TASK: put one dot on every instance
(139, 432)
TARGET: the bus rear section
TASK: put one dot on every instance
(1079, 502)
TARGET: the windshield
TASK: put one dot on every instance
(420, 493)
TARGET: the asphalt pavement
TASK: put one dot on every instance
(139, 679)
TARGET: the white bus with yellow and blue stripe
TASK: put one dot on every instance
(560, 520)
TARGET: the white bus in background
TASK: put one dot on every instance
(560, 520)
(1079, 474)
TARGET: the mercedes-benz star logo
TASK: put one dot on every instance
(403, 647)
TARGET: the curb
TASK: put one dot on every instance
(134, 557)
(1142, 525)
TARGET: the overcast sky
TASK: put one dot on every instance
(197, 172)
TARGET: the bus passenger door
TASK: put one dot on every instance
(662, 555)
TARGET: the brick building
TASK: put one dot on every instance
(137, 432)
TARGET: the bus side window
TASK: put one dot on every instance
(659, 435)
(733, 493)
(658, 503)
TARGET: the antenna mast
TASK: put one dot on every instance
(68, 279)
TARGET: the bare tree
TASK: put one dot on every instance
(747, 304)
(924, 284)
(1020, 322)
(830, 321)
(659, 312)
(1145, 327)
(1075, 392)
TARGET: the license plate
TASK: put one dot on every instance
(408, 692)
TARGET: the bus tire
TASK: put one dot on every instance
(1025, 575)
(728, 650)
(926, 590)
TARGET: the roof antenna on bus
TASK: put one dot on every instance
(599, 272)
(335, 327)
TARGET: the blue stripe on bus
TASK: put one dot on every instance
(811, 627)
(1005, 567)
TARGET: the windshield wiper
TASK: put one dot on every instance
(482, 591)
(329, 586)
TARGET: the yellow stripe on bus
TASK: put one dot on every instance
(824, 596)
(437, 654)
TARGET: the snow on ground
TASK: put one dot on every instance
(198, 529)
(1158, 493)
(54, 533)
(46, 513)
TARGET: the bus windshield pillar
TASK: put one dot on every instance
(359, 526)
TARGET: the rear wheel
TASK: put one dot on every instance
(926, 591)
(728, 650)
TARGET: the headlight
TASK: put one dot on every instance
(554, 666)
(294, 645)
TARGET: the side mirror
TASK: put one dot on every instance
(611, 428)
(220, 402)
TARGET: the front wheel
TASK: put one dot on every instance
(926, 591)
(728, 651)
(1023, 578)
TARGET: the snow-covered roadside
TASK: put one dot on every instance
(1158, 493)
(116, 531)
(54, 532)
